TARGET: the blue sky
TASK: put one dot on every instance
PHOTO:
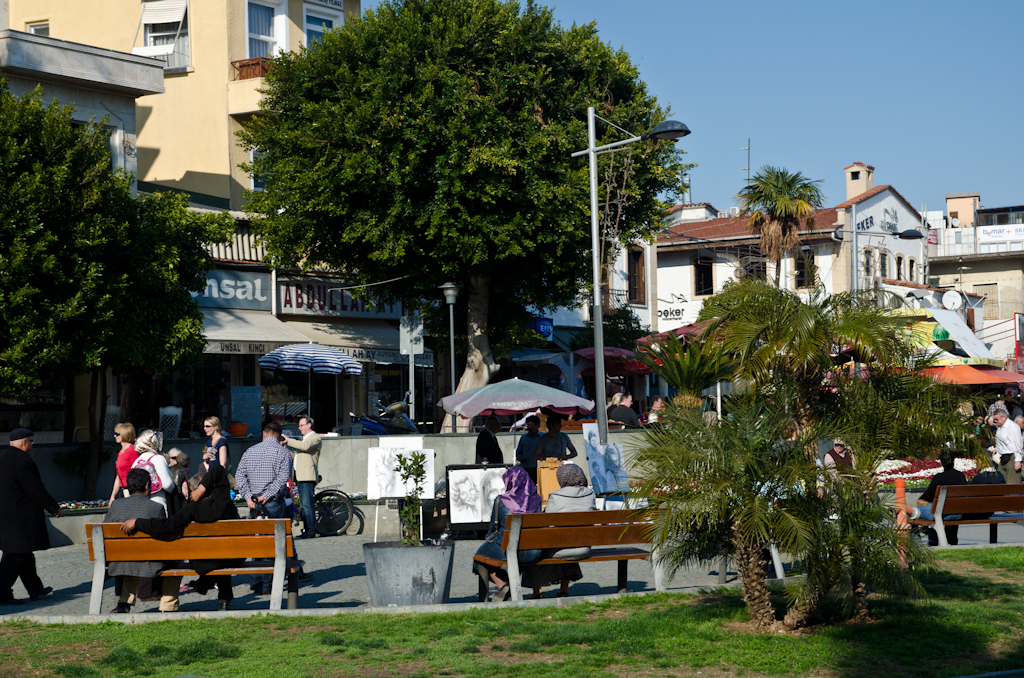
(930, 93)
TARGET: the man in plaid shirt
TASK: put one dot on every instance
(262, 478)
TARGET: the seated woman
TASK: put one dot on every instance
(209, 501)
(572, 495)
(520, 497)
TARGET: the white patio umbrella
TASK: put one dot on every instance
(310, 358)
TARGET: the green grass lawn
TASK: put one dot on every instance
(972, 622)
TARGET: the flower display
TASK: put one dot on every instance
(919, 470)
(82, 505)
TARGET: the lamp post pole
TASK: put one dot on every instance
(598, 312)
(667, 130)
(451, 293)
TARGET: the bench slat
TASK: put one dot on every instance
(192, 548)
(571, 537)
(582, 518)
(221, 528)
(984, 490)
(596, 556)
(982, 504)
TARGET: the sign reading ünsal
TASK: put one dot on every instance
(327, 297)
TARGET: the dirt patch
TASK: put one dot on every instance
(969, 569)
(706, 672)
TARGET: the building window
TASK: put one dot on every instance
(883, 264)
(1002, 219)
(899, 268)
(637, 276)
(704, 278)
(318, 22)
(912, 270)
(854, 176)
(171, 33)
(267, 29)
(804, 264)
(39, 28)
(991, 293)
(869, 267)
(954, 215)
(258, 180)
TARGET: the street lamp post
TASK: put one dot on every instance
(451, 293)
(670, 130)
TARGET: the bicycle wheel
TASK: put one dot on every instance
(334, 512)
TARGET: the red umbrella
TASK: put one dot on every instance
(685, 333)
(617, 362)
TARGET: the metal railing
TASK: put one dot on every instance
(246, 69)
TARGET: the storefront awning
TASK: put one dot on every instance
(969, 374)
(933, 328)
(246, 332)
(364, 339)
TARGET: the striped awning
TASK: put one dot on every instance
(163, 11)
(305, 357)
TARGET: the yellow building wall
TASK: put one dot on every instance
(186, 135)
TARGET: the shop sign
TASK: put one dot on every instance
(325, 297)
(375, 355)
(545, 327)
(333, 4)
(235, 289)
(242, 347)
(1001, 233)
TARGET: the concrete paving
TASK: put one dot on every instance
(340, 579)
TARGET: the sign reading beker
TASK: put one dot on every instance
(326, 297)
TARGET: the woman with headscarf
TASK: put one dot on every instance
(209, 501)
(520, 496)
(148, 445)
(572, 495)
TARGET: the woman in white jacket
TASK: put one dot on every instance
(148, 446)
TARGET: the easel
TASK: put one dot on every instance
(547, 481)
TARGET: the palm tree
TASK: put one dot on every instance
(774, 204)
(726, 489)
(690, 367)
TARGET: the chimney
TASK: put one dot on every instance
(860, 178)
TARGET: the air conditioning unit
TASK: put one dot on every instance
(734, 211)
(723, 215)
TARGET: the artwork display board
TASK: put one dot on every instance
(606, 463)
(401, 443)
(384, 482)
(471, 493)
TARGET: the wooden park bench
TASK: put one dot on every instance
(1006, 502)
(268, 542)
(618, 531)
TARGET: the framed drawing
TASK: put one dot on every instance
(471, 493)
(383, 481)
(606, 464)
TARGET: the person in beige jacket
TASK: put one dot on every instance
(305, 457)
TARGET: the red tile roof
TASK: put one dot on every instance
(726, 227)
(873, 192)
(859, 164)
(676, 208)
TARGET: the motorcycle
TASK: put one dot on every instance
(391, 420)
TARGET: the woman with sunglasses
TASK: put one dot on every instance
(124, 434)
(216, 452)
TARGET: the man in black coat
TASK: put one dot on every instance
(487, 449)
(23, 498)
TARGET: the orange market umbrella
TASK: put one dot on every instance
(969, 374)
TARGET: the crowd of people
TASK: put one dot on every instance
(154, 492)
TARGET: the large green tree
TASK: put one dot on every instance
(430, 141)
(95, 277)
(775, 203)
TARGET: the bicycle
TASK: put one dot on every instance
(332, 508)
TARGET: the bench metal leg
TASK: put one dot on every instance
(993, 533)
(622, 575)
(99, 570)
(293, 590)
(484, 588)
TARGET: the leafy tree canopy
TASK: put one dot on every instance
(430, 140)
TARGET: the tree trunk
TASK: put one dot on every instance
(95, 431)
(823, 569)
(750, 565)
(480, 365)
(859, 589)
(778, 273)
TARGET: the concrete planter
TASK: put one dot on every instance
(409, 575)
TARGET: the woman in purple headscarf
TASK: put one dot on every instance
(520, 497)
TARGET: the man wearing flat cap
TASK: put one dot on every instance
(23, 498)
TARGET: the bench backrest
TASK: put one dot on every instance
(979, 498)
(580, 528)
(213, 541)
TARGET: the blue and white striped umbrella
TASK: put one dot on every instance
(305, 357)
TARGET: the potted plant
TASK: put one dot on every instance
(411, 571)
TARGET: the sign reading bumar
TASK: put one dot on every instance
(325, 297)
(998, 233)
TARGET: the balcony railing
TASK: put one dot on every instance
(611, 301)
(246, 69)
